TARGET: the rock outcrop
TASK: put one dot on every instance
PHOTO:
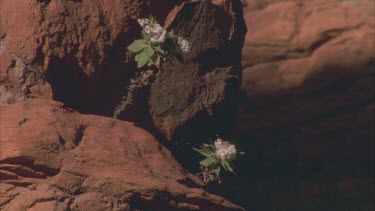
(74, 52)
(79, 49)
(307, 119)
(53, 158)
(198, 93)
(77, 46)
(309, 73)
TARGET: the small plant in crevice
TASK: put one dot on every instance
(219, 156)
(155, 45)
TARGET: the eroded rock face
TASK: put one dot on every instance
(308, 109)
(79, 48)
(56, 159)
(199, 91)
(300, 69)
(76, 46)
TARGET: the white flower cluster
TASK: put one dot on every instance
(154, 30)
(143, 22)
(185, 46)
(225, 150)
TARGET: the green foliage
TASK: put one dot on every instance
(148, 51)
(212, 164)
(137, 46)
(156, 43)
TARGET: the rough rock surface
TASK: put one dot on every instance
(53, 158)
(197, 93)
(79, 48)
(307, 120)
(309, 79)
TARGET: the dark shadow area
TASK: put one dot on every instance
(66, 79)
(318, 158)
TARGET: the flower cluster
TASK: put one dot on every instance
(225, 150)
(143, 22)
(157, 33)
(185, 46)
(218, 156)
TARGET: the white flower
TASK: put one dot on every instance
(143, 22)
(157, 33)
(158, 36)
(218, 143)
(147, 29)
(185, 46)
(225, 150)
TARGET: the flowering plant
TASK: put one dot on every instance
(218, 156)
(155, 43)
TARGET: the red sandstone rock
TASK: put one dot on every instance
(294, 29)
(54, 158)
(308, 107)
(71, 43)
(79, 47)
(331, 69)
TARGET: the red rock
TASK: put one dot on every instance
(69, 42)
(297, 88)
(5, 62)
(309, 101)
(276, 35)
(79, 48)
(70, 161)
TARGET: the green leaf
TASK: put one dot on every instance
(154, 59)
(227, 166)
(224, 166)
(171, 33)
(203, 152)
(152, 19)
(208, 161)
(217, 171)
(137, 46)
(149, 51)
(142, 59)
(159, 49)
(209, 151)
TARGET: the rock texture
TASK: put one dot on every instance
(53, 158)
(307, 120)
(310, 68)
(74, 52)
(77, 46)
(198, 93)
(79, 49)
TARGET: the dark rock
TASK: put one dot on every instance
(197, 94)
